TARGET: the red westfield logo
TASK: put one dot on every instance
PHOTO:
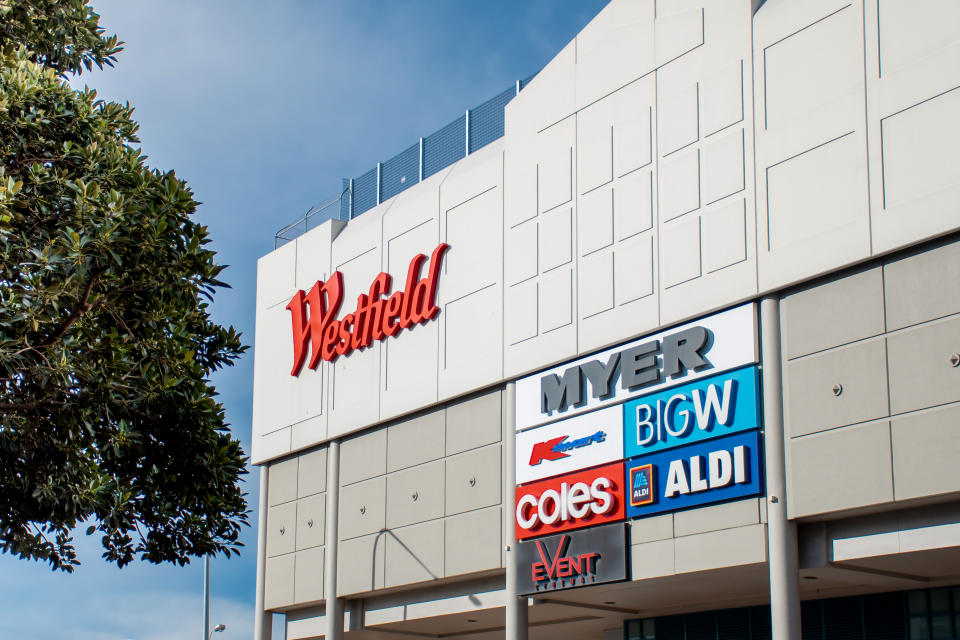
(377, 316)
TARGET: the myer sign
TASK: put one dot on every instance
(701, 348)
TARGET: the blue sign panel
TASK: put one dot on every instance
(702, 410)
(699, 474)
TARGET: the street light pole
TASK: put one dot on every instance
(206, 597)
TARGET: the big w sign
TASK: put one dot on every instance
(378, 315)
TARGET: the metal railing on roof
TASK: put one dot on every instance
(315, 216)
(475, 129)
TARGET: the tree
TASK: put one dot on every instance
(107, 415)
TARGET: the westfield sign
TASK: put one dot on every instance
(378, 314)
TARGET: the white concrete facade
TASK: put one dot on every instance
(676, 159)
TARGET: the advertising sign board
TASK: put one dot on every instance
(694, 475)
(573, 501)
(575, 559)
(702, 410)
(698, 349)
(583, 441)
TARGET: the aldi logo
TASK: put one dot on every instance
(641, 485)
(569, 445)
(696, 475)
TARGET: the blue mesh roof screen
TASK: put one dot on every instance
(446, 146)
(486, 121)
(365, 192)
(399, 172)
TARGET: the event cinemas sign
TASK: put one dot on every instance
(378, 315)
(574, 559)
(698, 349)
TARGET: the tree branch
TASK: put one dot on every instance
(82, 307)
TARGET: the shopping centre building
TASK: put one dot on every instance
(662, 343)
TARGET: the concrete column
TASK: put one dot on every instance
(516, 607)
(262, 621)
(334, 612)
(781, 532)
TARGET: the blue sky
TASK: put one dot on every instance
(263, 107)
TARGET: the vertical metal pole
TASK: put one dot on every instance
(334, 613)
(262, 621)
(351, 200)
(781, 532)
(515, 622)
(206, 596)
(518, 89)
(466, 147)
(379, 166)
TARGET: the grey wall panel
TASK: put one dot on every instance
(472, 542)
(651, 529)
(922, 285)
(414, 554)
(282, 529)
(312, 473)
(308, 576)
(278, 582)
(828, 314)
(811, 150)
(840, 469)
(921, 371)
(723, 516)
(926, 448)
(473, 422)
(835, 388)
(354, 381)
(470, 326)
(409, 365)
(913, 71)
(718, 549)
(473, 480)
(416, 440)
(362, 508)
(283, 481)
(653, 559)
(415, 494)
(706, 224)
(363, 456)
(311, 517)
(616, 274)
(360, 564)
(624, 32)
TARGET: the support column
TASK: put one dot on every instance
(516, 607)
(262, 621)
(334, 612)
(781, 532)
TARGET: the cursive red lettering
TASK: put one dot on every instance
(377, 315)
(391, 313)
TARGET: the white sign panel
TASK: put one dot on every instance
(700, 348)
(580, 442)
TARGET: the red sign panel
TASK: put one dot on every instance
(581, 499)
(375, 317)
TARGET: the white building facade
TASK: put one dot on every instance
(676, 357)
